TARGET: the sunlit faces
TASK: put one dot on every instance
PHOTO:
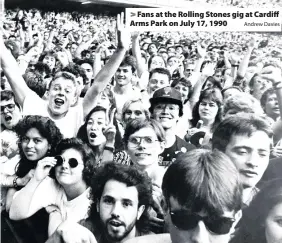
(95, 127)
(123, 75)
(183, 89)
(271, 106)
(273, 225)
(199, 234)
(188, 69)
(157, 62)
(88, 71)
(118, 209)
(167, 114)
(10, 113)
(67, 176)
(157, 81)
(50, 61)
(134, 111)
(250, 154)
(144, 147)
(208, 110)
(34, 146)
(260, 85)
(62, 95)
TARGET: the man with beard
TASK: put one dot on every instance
(121, 198)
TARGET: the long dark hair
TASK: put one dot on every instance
(253, 221)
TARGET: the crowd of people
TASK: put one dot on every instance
(116, 137)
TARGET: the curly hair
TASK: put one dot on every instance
(47, 129)
(212, 94)
(76, 70)
(88, 157)
(252, 228)
(130, 176)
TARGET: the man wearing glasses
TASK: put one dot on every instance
(167, 108)
(203, 202)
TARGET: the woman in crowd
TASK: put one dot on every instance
(38, 138)
(262, 220)
(156, 61)
(206, 115)
(66, 196)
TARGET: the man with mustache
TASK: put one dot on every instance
(121, 198)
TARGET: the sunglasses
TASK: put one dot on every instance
(72, 161)
(188, 221)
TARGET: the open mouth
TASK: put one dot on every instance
(59, 102)
(115, 223)
(92, 135)
(8, 118)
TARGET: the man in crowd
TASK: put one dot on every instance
(246, 139)
(121, 199)
(167, 108)
(203, 202)
(158, 78)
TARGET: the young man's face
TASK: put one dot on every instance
(250, 154)
(88, 71)
(119, 211)
(157, 81)
(197, 231)
(167, 114)
(62, 95)
(260, 86)
(10, 113)
(123, 75)
(271, 106)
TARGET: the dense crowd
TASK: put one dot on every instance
(110, 137)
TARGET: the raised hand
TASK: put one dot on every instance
(123, 36)
(201, 49)
(110, 131)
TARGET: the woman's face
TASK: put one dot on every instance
(208, 85)
(144, 147)
(208, 110)
(50, 61)
(34, 146)
(184, 91)
(95, 127)
(134, 111)
(273, 225)
(65, 174)
(157, 62)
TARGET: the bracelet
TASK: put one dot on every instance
(109, 148)
(15, 184)
(234, 65)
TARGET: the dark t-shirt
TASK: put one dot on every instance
(169, 155)
(273, 171)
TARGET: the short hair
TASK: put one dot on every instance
(82, 131)
(162, 71)
(213, 94)
(88, 157)
(204, 180)
(85, 60)
(265, 95)
(47, 129)
(42, 67)
(252, 227)
(184, 81)
(65, 75)
(242, 102)
(129, 61)
(135, 100)
(152, 57)
(76, 70)
(231, 87)
(135, 125)
(36, 82)
(8, 95)
(129, 175)
(241, 124)
(47, 53)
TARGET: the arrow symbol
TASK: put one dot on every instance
(132, 14)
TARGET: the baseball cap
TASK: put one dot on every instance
(167, 94)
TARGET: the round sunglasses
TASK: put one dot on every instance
(72, 161)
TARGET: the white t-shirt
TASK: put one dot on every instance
(68, 125)
(50, 193)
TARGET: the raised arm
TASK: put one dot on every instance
(13, 73)
(107, 72)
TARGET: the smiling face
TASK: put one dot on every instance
(123, 75)
(50, 61)
(10, 113)
(62, 95)
(95, 127)
(184, 91)
(157, 81)
(273, 224)
(119, 211)
(67, 176)
(250, 154)
(34, 146)
(144, 147)
(134, 111)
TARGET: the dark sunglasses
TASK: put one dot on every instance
(72, 161)
(187, 221)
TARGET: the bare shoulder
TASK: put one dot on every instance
(159, 238)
